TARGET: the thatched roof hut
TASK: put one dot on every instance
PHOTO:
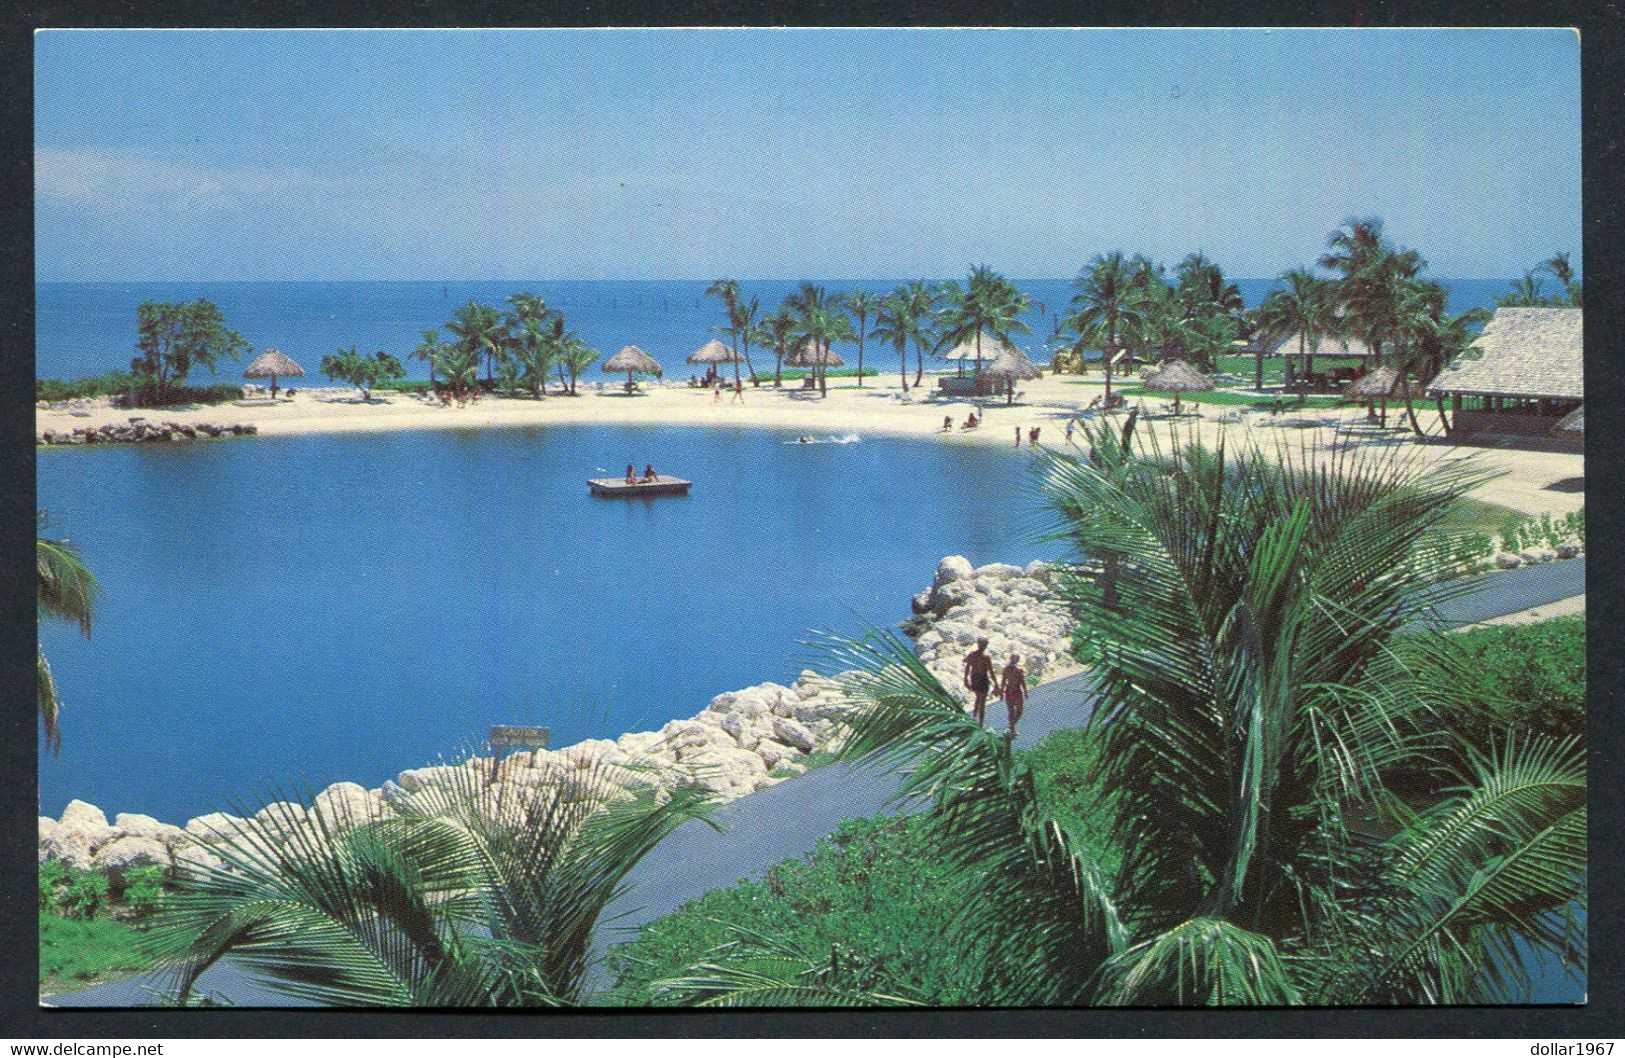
(1381, 383)
(272, 364)
(1323, 345)
(804, 355)
(1177, 377)
(1525, 354)
(1010, 367)
(713, 352)
(633, 361)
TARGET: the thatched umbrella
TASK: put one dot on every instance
(633, 361)
(1573, 422)
(802, 356)
(1380, 384)
(992, 347)
(713, 353)
(1177, 377)
(1012, 366)
(270, 364)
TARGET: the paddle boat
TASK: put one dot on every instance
(662, 485)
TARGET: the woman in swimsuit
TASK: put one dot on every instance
(631, 475)
(649, 472)
(1013, 686)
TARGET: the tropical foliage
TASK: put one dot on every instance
(362, 372)
(1279, 831)
(470, 893)
(64, 591)
(172, 338)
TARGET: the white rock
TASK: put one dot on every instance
(775, 753)
(1506, 561)
(120, 855)
(280, 817)
(47, 827)
(347, 804)
(1038, 570)
(68, 846)
(950, 569)
(134, 825)
(998, 570)
(1567, 550)
(83, 816)
(794, 733)
(196, 858)
(216, 826)
(421, 778)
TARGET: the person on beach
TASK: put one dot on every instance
(971, 422)
(947, 423)
(1018, 437)
(631, 475)
(979, 678)
(1032, 437)
(1013, 687)
(649, 472)
(716, 393)
(1069, 431)
(739, 392)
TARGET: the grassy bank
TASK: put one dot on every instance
(91, 925)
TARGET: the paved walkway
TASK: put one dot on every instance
(787, 820)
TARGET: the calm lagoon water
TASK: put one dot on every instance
(344, 607)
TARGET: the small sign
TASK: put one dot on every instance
(503, 737)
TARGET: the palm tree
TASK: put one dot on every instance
(728, 291)
(775, 332)
(466, 893)
(428, 346)
(1525, 293)
(862, 304)
(922, 316)
(577, 356)
(1560, 268)
(65, 590)
(1279, 826)
(988, 304)
(1301, 305)
(1111, 295)
(893, 324)
(530, 344)
(744, 327)
(483, 329)
(459, 366)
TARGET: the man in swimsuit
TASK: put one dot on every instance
(739, 391)
(1013, 685)
(1018, 437)
(979, 678)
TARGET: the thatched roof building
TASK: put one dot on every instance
(632, 360)
(805, 355)
(273, 364)
(1012, 365)
(1176, 376)
(712, 352)
(1381, 384)
(992, 348)
(1525, 354)
(1573, 422)
(1323, 345)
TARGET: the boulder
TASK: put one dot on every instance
(1507, 561)
(68, 846)
(794, 733)
(280, 817)
(196, 858)
(134, 825)
(418, 779)
(118, 856)
(1039, 570)
(774, 754)
(81, 815)
(951, 569)
(1567, 550)
(997, 571)
(346, 804)
(214, 827)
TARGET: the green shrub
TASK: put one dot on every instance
(53, 876)
(1065, 765)
(874, 889)
(1531, 679)
(84, 895)
(74, 954)
(110, 384)
(143, 889)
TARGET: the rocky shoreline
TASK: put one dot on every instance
(743, 741)
(138, 430)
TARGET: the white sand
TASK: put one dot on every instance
(875, 409)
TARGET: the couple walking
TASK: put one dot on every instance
(1011, 684)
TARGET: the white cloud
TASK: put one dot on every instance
(104, 180)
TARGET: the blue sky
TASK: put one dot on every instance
(761, 154)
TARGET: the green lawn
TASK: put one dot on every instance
(1133, 391)
(75, 954)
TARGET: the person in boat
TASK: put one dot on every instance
(1013, 688)
(649, 473)
(631, 475)
(978, 676)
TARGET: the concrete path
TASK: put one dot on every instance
(787, 820)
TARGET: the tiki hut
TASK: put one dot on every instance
(802, 356)
(1381, 384)
(1177, 377)
(1012, 366)
(1524, 373)
(633, 361)
(711, 354)
(992, 348)
(271, 364)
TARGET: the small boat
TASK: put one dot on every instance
(660, 486)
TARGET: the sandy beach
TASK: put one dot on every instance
(878, 408)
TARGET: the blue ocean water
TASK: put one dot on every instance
(87, 328)
(322, 608)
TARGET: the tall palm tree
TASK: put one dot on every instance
(1301, 304)
(776, 329)
(577, 356)
(1279, 828)
(1559, 267)
(988, 304)
(1525, 293)
(922, 313)
(1111, 296)
(65, 590)
(428, 345)
(744, 321)
(483, 329)
(893, 324)
(468, 892)
(727, 290)
(530, 345)
(861, 304)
